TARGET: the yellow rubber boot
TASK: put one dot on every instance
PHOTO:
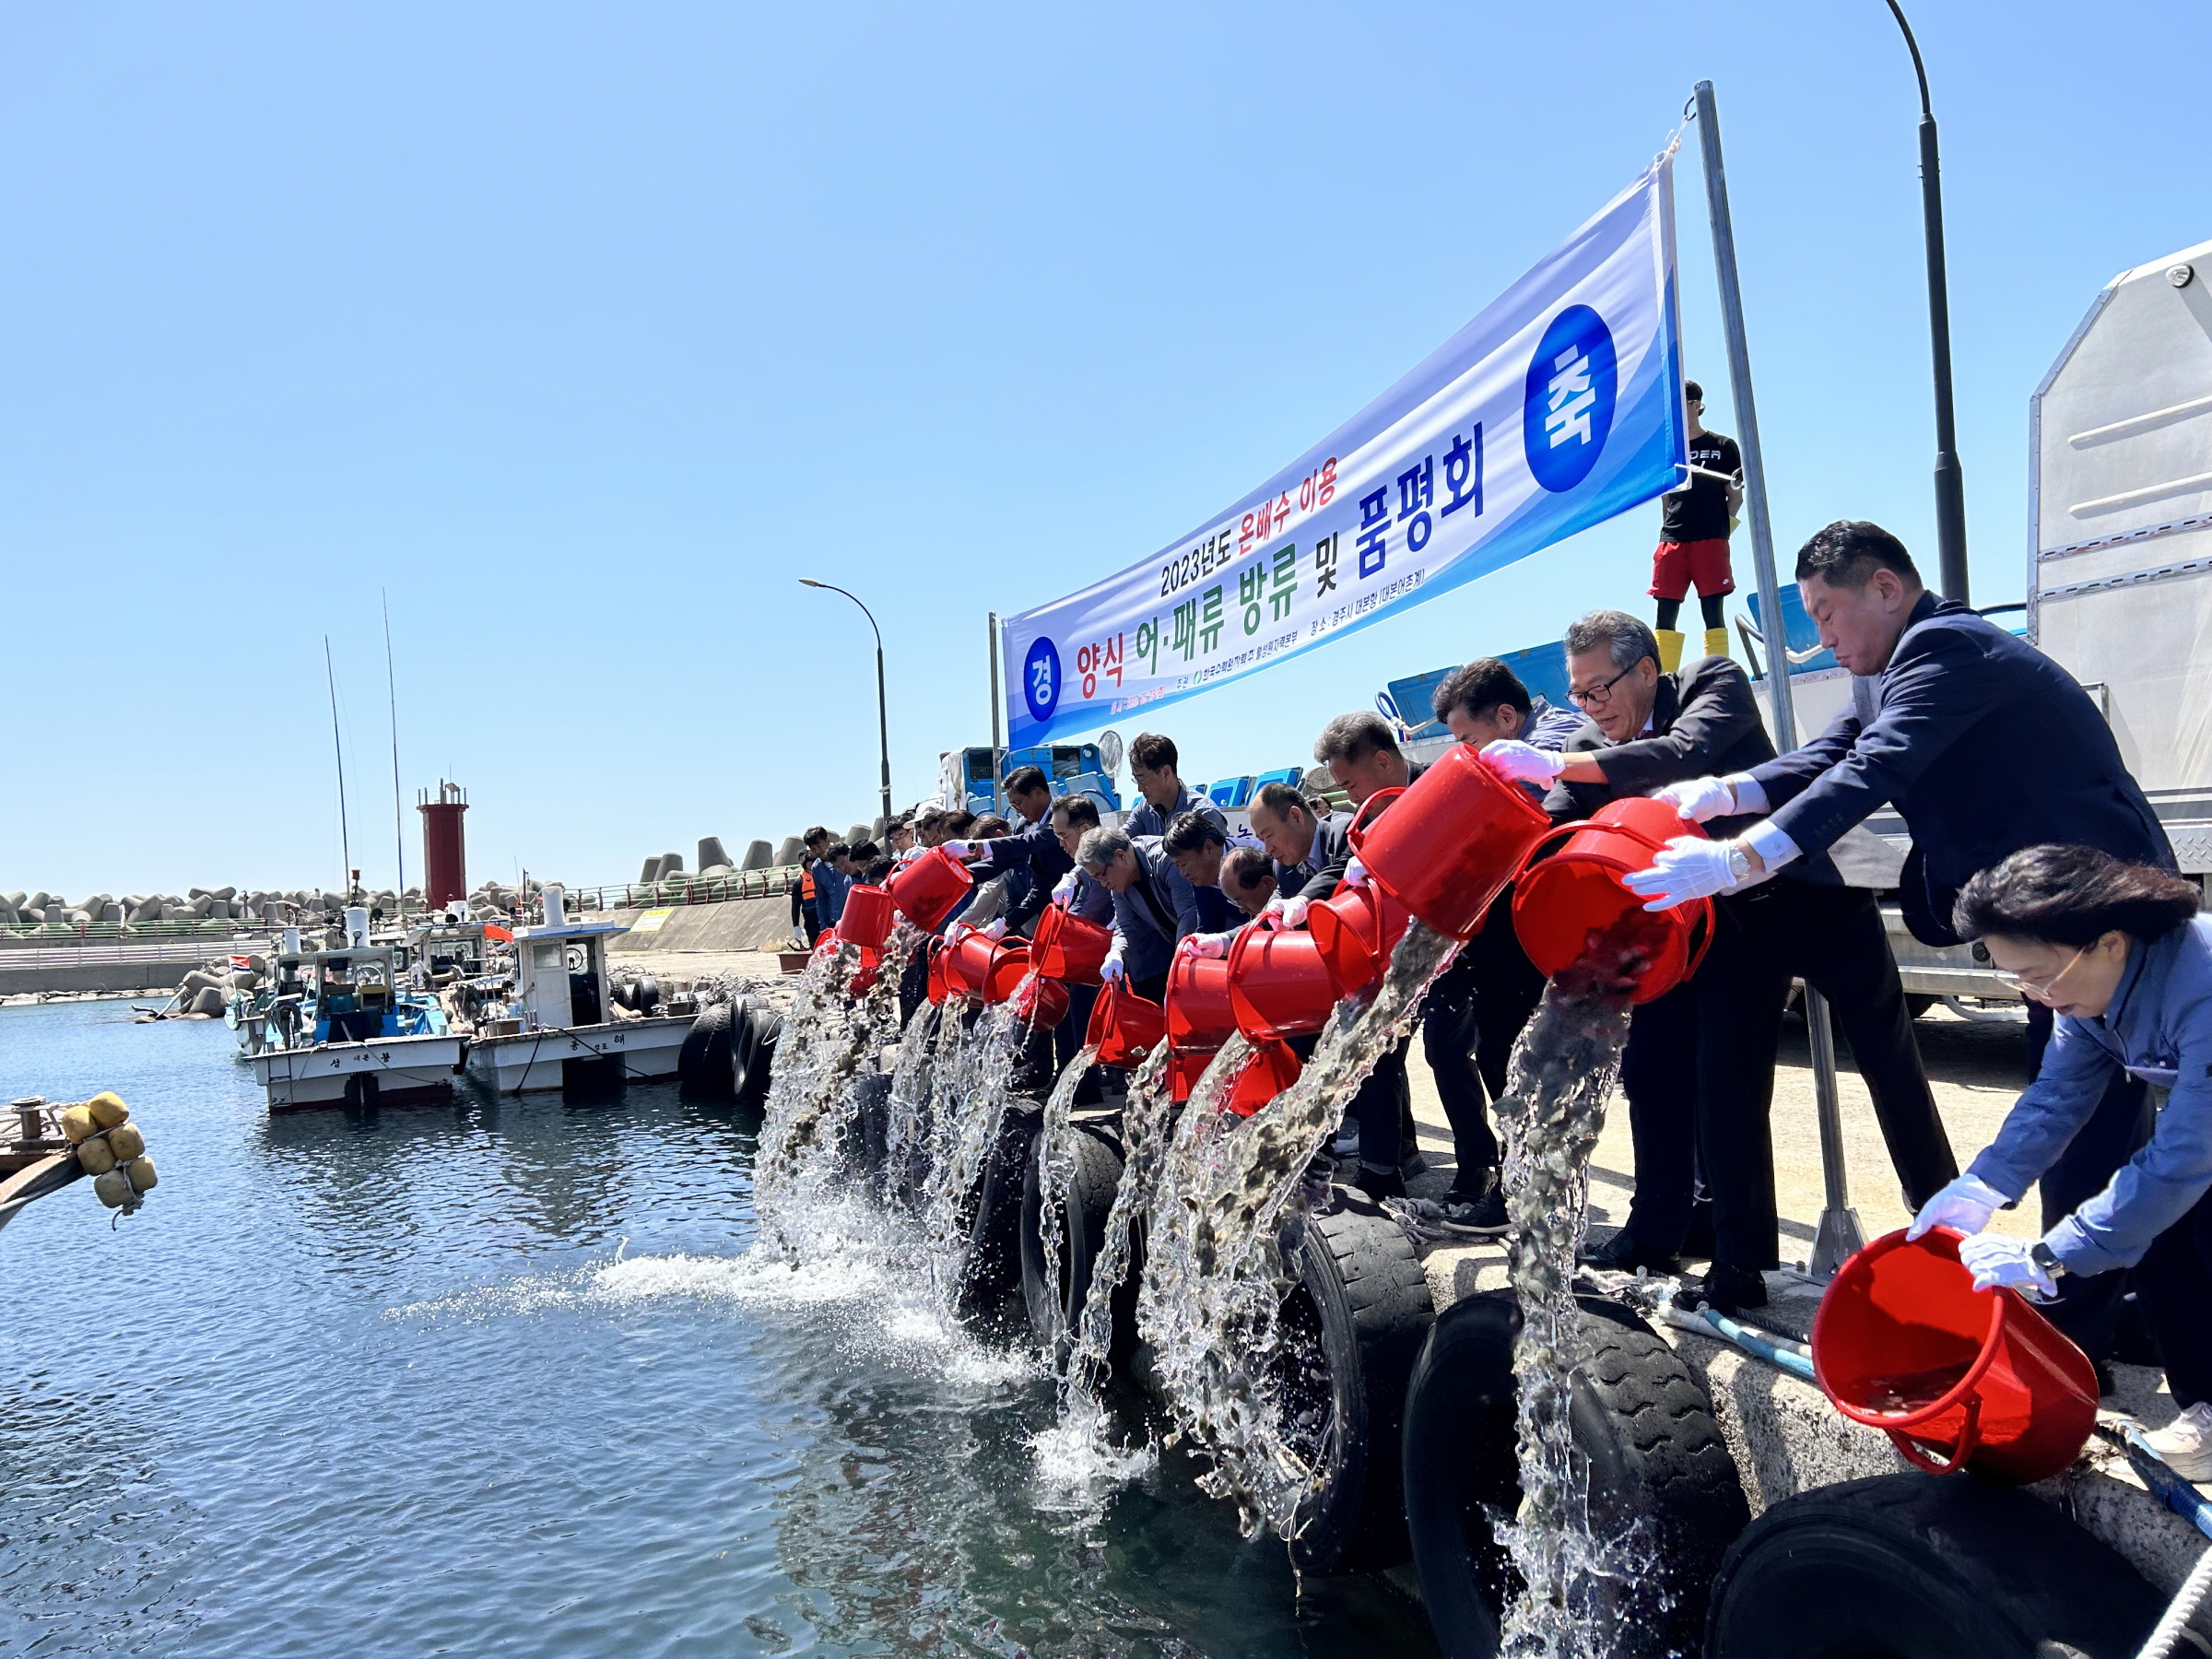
(1670, 650)
(1716, 641)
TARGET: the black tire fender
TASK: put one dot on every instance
(1361, 1284)
(990, 1271)
(754, 1033)
(1655, 1456)
(1054, 1304)
(702, 1064)
(1914, 1566)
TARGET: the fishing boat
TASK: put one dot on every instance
(562, 1027)
(340, 1027)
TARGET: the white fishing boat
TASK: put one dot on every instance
(563, 1029)
(340, 1029)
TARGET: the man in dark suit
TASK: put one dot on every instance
(1811, 925)
(1301, 842)
(1985, 746)
(1036, 845)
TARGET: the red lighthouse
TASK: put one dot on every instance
(445, 844)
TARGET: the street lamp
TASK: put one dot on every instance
(883, 716)
(1950, 487)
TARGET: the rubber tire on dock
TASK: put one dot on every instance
(702, 1064)
(1054, 1305)
(990, 1269)
(1915, 1565)
(754, 1033)
(1654, 1454)
(1361, 1283)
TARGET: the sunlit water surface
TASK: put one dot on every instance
(501, 1377)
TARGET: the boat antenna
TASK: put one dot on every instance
(344, 837)
(399, 836)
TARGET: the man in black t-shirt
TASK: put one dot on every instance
(1693, 535)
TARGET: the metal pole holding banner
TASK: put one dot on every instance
(997, 784)
(1838, 1234)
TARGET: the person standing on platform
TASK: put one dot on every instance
(1164, 795)
(1153, 907)
(1985, 747)
(1248, 878)
(1475, 1009)
(1694, 524)
(1034, 848)
(1302, 841)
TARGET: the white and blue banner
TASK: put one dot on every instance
(1558, 407)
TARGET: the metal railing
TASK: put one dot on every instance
(771, 883)
(33, 934)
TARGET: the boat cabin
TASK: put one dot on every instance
(561, 974)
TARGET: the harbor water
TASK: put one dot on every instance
(505, 1377)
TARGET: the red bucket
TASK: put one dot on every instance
(1356, 932)
(926, 891)
(1560, 901)
(823, 946)
(1449, 847)
(867, 919)
(1067, 948)
(1040, 1003)
(938, 989)
(1272, 1068)
(1958, 1378)
(864, 976)
(1278, 985)
(1124, 1028)
(1200, 1018)
(1009, 966)
(968, 963)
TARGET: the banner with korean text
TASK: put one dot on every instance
(1557, 407)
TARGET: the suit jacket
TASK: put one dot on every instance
(1704, 722)
(1330, 877)
(1333, 850)
(1037, 848)
(1983, 744)
(1153, 912)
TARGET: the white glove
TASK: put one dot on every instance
(957, 849)
(1689, 867)
(1111, 971)
(1996, 1260)
(1213, 947)
(1283, 913)
(1966, 1205)
(997, 930)
(1522, 763)
(1355, 873)
(1064, 890)
(1698, 799)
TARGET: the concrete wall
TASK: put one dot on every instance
(739, 924)
(93, 976)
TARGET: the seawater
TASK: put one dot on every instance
(507, 1377)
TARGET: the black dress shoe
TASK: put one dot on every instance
(1379, 1184)
(1622, 1253)
(1730, 1289)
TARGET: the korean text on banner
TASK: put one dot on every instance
(1557, 407)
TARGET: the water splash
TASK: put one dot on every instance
(970, 1091)
(1233, 1195)
(1055, 1173)
(1563, 1069)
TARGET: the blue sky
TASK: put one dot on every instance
(583, 332)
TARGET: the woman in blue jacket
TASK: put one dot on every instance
(2121, 957)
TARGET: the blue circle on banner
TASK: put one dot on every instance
(1041, 679)
(1567, 412)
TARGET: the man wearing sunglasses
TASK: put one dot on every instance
(1699, 1067)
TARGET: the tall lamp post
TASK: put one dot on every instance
(1950, 486)
(883, 716)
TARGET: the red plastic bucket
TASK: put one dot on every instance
(968, 963)
(1447, 848)
(926, 891)
(823, 946)
(1958, 1378)
(1200, 1018)
(1041, 1003)
(1278, 985)
(1124, 1028)
(1067, 948)
(864, 976)
(867, 919)
(1356, 932)
(1272, 1068)
(1560, 901)
(1009, 966)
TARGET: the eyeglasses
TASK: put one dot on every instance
(1596, 697)
(2040, 989)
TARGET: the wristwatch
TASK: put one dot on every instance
(1739, 862)
(2043, 1257)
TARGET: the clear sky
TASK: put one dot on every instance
(583, 331)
